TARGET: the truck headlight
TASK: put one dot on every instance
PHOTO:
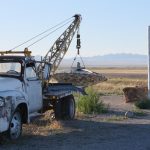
(2, 101)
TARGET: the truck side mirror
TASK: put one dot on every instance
(46, 71)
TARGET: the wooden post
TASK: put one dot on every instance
(149, 62)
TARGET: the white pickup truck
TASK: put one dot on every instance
(22, 93)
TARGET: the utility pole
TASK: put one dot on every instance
(149, 62)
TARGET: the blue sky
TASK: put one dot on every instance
(108, 26)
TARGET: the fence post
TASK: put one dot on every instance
(148, 62)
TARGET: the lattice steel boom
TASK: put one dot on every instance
(56, 53)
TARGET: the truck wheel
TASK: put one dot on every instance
(15, 127)
(69, 107)
(58, 109)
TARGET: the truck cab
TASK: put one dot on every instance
(20, 92)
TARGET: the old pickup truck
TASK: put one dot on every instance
(25, 86)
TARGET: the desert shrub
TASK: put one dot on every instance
(139, 112)
(143, 104)
(91, 103)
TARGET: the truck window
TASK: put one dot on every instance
(10, 68)
(30, 73)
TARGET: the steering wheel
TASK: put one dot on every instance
(12, 71)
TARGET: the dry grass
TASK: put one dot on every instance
(56, 125)
(43, 125)
(119, 78)
(120, 70)
(114, 118)
(116, 85)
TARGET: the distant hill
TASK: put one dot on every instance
(111, 60)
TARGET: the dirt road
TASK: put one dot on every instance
(87, 133)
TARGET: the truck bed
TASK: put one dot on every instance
(60, 90)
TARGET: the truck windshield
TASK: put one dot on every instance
(10, 68)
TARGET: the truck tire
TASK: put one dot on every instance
(15, 127)
(58, 109)
(68, 107)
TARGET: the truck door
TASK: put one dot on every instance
(34, 90)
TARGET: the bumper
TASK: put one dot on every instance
(4, 124)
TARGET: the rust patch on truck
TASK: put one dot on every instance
(7, 110)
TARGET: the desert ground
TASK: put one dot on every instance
(108, 131)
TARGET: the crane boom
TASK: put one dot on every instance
(56, 53)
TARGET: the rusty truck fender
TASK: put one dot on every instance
(13, 100)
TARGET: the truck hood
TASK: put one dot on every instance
(7, 84)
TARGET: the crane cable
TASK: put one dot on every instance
(47, 34)
(75, 60)
(42, 33)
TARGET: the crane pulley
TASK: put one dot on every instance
(78, 43)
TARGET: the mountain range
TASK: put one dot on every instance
(111, 60)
